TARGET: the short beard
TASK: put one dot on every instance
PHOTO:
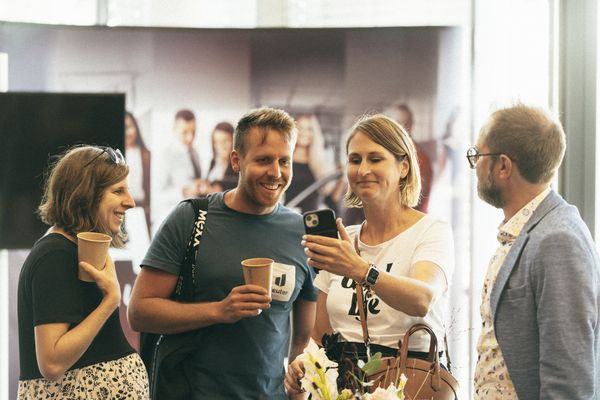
(490, 193)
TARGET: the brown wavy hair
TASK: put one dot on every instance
(74, 187)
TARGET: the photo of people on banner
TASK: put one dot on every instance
(181, 107)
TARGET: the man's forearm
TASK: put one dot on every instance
(296, 350)
(158, 315)
(303, 323)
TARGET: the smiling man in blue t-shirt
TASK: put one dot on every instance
(246, 331)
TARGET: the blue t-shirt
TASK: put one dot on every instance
(243, 360)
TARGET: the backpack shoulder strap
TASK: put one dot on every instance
(186, 282)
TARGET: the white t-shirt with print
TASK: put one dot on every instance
(430, 239)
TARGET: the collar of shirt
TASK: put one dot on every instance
(508, 232)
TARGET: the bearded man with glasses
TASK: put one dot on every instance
(540, 337)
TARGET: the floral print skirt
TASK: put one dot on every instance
(124, 378)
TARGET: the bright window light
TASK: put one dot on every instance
(63, 12)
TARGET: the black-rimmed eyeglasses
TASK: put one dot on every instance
(115, 156)
(473, 156)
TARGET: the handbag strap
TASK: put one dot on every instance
(447, 352)
(362, 305)
(433, 344)
(186, 281)
(363, 318)
(433, 353)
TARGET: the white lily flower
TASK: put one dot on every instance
(320, 373)
(382, 394)
(401, 385)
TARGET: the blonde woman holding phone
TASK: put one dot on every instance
(403, 258)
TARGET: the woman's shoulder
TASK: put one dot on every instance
(434, 230)
(53, 242)
(50, 248)
(427, 228)
(429, 221)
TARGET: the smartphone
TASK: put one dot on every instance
(320, 222)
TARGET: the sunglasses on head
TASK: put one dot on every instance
(115, 156)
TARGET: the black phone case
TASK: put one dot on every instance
(320, 222)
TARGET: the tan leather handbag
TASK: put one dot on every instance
(425, 378)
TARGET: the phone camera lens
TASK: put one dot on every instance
(312, 220)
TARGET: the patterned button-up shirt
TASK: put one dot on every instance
(492, 380)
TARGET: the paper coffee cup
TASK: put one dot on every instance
(92, 247)
(258, 271)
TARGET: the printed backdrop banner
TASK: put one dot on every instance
(329, 76)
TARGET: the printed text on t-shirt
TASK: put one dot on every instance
(372, 301)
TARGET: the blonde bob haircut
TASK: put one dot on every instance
(74, 187)
(388, 133)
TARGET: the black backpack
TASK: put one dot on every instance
(165, 355)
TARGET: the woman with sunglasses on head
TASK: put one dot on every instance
(71, 344)
(402, 258)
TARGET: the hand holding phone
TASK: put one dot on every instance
(320, 222)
